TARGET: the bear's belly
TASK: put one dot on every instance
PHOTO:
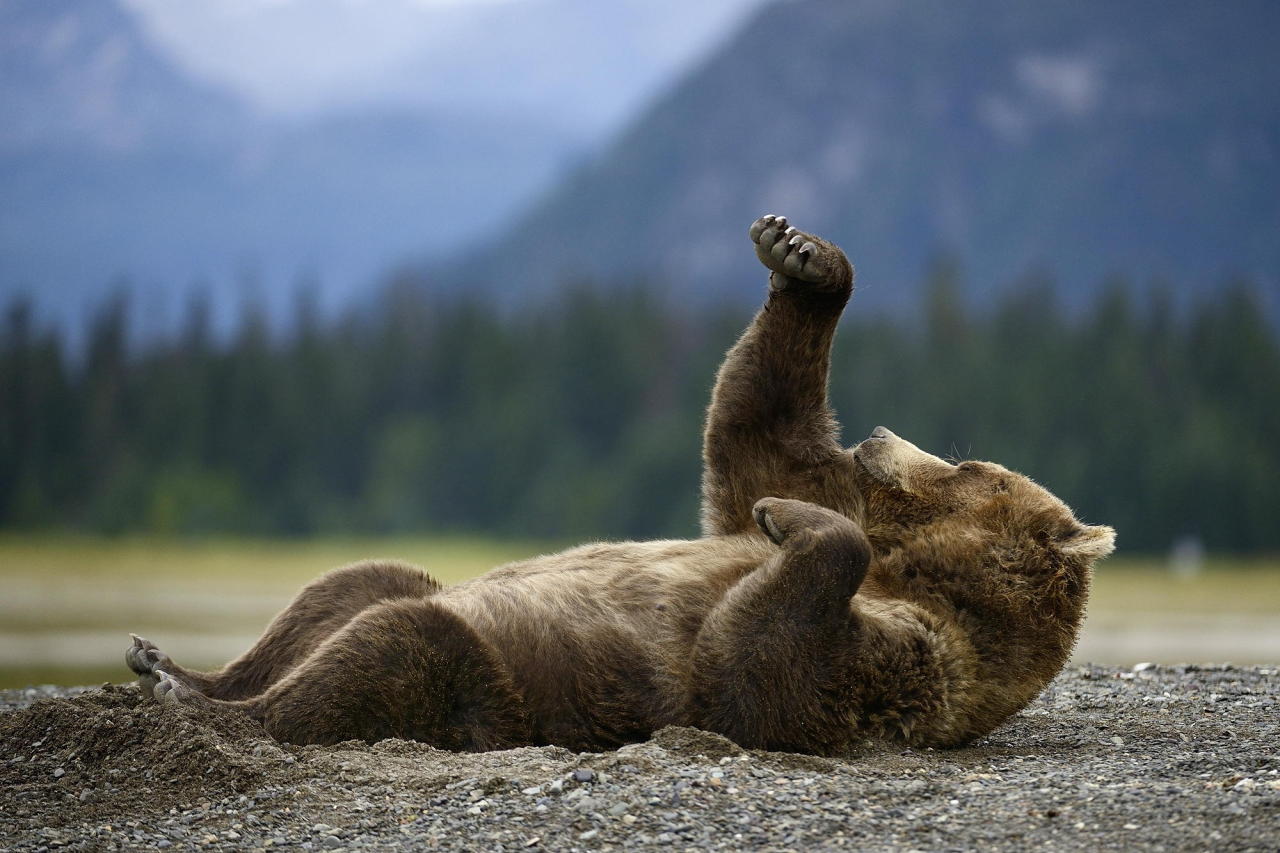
(598, 639)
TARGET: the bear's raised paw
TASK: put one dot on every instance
(799, 260)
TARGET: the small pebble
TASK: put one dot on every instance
(583, 774)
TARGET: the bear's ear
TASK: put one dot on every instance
(1093, 542)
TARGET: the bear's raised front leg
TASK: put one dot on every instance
(408, 669)
(770, 429)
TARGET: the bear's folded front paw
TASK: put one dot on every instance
(765, 521)
(782, 519)
(799, 259)
(785, 519)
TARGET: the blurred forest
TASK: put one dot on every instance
(582, 417)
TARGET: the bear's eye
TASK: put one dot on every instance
(1001, 486)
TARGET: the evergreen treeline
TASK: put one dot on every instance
(582, 418)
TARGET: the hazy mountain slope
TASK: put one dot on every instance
(114, 163)
(1083, 137)
(78, 75)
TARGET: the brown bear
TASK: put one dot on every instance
(836, 594)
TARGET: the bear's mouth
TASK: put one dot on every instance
(889, 460)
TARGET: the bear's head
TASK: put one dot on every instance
(986, 550)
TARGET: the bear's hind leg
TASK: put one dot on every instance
(408, 669)
(322, 608)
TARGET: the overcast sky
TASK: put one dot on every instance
(306, 56)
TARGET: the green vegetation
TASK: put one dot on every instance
(69, 603)
(226, 563)
(1225, 587)
(582, 419)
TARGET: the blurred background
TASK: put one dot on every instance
(289, 283)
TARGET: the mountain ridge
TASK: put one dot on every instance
(1082, 140)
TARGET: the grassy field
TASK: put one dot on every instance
(69, 603)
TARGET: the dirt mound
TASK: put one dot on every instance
(111, 752)
(694, 742)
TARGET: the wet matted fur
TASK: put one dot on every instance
(836, 593)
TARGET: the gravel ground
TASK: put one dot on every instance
(1161, 758)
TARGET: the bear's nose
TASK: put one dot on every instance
(881, 432)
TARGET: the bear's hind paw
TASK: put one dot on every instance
(145, 660)
(169, 689)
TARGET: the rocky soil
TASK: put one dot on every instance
(1161, 758)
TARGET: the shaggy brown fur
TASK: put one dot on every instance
(836, 594)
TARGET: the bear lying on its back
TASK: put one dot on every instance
(836, 593)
